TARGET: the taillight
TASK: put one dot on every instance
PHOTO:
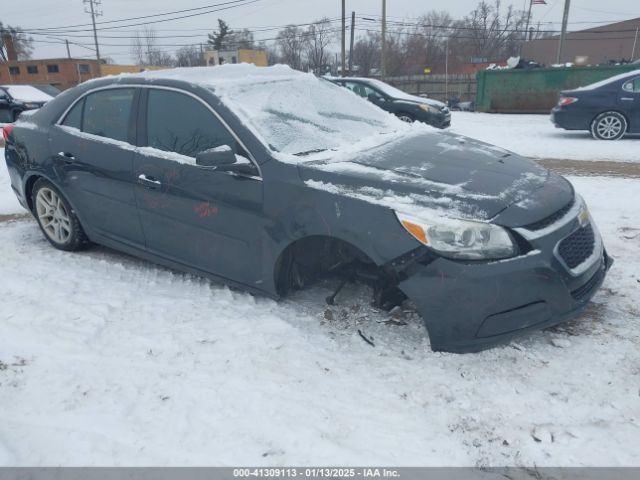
(564, 101)
(6, 131)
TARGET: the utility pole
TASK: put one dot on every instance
(344, 39)
(446, 70)
(353, 35)
(383, 56)
(68, 49)
(93, 7)
(635, 43)
(565, 21)
(526, 30)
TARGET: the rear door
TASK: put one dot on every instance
(630, 102)
(206, 219)
(92, 149)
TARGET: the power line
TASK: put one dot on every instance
(128, 19)
(195, 35)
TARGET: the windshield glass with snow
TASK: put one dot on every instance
(305, 114)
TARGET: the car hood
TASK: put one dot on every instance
(458, 176)
(421, 100)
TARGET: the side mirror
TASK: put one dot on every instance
(216, 157)
(224, 159)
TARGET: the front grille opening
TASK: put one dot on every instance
(551, 219)
(584, 291)
(578, 247)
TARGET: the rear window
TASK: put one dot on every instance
(106, 113)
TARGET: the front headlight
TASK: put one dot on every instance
(461, 239)
(428, 108)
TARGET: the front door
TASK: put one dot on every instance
(630, 103)
(203, 218)
(93, 157)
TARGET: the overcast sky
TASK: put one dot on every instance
(33, 14)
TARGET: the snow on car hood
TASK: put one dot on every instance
(454, 175)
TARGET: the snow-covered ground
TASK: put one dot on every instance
(110, 360)
(535, 136)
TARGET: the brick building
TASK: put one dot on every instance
(601, 45)
(62, 73)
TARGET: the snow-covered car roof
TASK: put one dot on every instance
(212, 77)
(291, 112)
(27, 93)
(609, 80)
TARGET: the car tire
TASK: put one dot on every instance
(57, 220)
(609, 126)
(406, 117)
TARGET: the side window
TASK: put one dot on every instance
(107, 113)
(181, 124)
(357, 88)
(632, 85)
(74, 117)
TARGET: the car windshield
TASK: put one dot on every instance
(305, 114)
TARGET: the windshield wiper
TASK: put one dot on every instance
(309, 152)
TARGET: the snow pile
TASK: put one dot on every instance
(110, 360)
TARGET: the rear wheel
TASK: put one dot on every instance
(609, 126)
(56, 218)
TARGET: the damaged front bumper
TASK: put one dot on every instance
(468, 307)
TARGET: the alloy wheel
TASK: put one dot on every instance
(609, 127)
(53, 215)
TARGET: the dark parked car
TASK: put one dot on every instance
(12, 105)
(269, 179)
(408, 108)
(608, 109)
(10, 108)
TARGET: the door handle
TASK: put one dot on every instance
(66, 157)
(627, 99)
(149, 182)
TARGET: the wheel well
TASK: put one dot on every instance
(612, 111)
(310, 259)
(28, 190)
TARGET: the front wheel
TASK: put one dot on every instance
(609, 126)
(56, 218)
(405, 117)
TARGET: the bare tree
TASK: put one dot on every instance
(291, 45)
(366, 54)
(318, 37)
(22, 43)
(145, 50)
(189, 57)
(242, 39)
(490, 31)
(426, 43)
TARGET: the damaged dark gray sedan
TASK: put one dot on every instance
(269, 179)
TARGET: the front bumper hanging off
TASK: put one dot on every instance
(472, 306)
